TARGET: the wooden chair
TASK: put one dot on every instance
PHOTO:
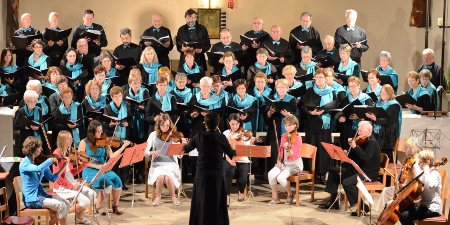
(147, 161)
(46, 213)
(4, 212)
(394, 167)
(308, 151)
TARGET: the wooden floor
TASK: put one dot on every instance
(253, 211)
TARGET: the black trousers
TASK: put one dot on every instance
(241, 170)
(416, 213)
(348, 182)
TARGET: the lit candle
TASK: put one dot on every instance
(440, 22)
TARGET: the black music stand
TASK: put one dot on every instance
(174, 150)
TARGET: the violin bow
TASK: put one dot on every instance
(165, 141)
(276, 138)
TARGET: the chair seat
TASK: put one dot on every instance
(304, 172)
(440, 218)
(374, 185)
(22, 220)
(394, 166)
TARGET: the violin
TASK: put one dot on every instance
(173, 135)
(41, 158)
(113, 141)
(359, 140)
(245, 135)
(76, 156)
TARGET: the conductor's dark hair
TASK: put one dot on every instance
(189, 12)
(212, 120)
(88, 11)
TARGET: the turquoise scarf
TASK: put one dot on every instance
(76, 69)
(349, 68)
(209, 102)
(261, 101)
(121, 131)
(105, 86)
(10, 69)
(152, 70)
(267, 67)
(432, 92)
(171, 86)
(287, 98)
(100, 103)
(337, 87)
(246, 103)
(233, 69)
(41, 63)
(377, 128)
(138, 116)
(44, 106)
(362, 97)
(419, 92)
(185, 94)
(195, 69)
(296, 85)
(311, 67)
(35, 114)
(327, 97)
(223, 96)
(73, 112)
(309, 84)
(3, 90)
(389, 72)
(377, 90)
(166, 104)
(51, 86)
(112, 72)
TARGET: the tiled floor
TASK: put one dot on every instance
(253, 211)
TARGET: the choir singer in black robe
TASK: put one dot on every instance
(328, 50)
(225, 45)
(55, 50)
(304, 32)
(25, 30)
(192, 31)
(429, 63)
(95, 46)
(158, 31)
(209, 202)
(277, 45)
(125, 50)
(249, 57)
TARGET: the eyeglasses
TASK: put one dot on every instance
(319, 77)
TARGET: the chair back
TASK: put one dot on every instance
(309, 151)
(444, 176)
(446, 198)
(17, 183)
(384, 161)
(400, 148)
(4, 208)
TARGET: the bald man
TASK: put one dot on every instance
(305, 32)
(429, 63)
(25, 30)
(329, 50)
(158, 31)
(225, 45)
(280, 52)
(257, 31)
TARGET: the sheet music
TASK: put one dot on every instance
(193, 152)
(268, 49)
(364, 191)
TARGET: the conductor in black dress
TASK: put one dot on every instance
(368, 159)
(158, 31)
(192, 31)
(257, 31)
(304, 32)
(354, 34)
(209, 201)
(95, 46)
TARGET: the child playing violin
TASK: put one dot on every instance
(66, 186)
(164, 170)
(289, 161)
(239, 164)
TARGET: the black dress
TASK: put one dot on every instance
(209, 202)
(199, 34)
(24, 132)
(389, 132)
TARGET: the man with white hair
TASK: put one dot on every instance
(355, 35)
(367, 156)
(429, 63)
(55, 49)
(25, 30)
(329, 50)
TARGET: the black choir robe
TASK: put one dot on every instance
(438, 78)
(358, 35)
(282, 47)
(334, 54)
(134, 131)
(57, 127)
(220, 47)
(134, 51)
(94, 49)
(88, 63)
(304, 36)
(389, 130)
(55, 52)
(109, 130)
(161, 51)
(23, 54)
(150, 115)
(200, 33)
(24, 132)
(249, 57)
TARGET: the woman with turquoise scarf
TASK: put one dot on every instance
(167, 73)
(421, 95)
(161, 102)
(72, 68)
(425, 77)
(37, 60)
(229, 69)
(69, 110)
(50, 80)
(318, 124)
(7, 65)
(306, 66)
(224, 98)
(149, 66)
(261, 65)
(33, 112)
(94, 101)
(275, 116)
(242, 100)
(385, 70)
(387, 130)
(373, 76)
(348, 124)
(183, 96)
(289, 72)
(100, 76)
(106, 60)
(190, 67)
(259, 91)
(347, 66)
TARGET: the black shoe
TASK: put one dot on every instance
(363, 206)
(124, 188)
(330, 204)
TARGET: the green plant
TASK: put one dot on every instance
(447, 78)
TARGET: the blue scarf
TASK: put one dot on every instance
(267, 67)
(171, 86)
(3, 90)
(389, 72)
(73, 112)
(377, 91)
(152, 70)
(287, 98)
(105, 86)
(112, 72)
(35, 113)
(309, 84)
(432, 92)
(261, 101)
(246, 103)
(327, 97)
(166, 104)
(311, 67)
(209, 102)
(44, 106)
(349, 68)
(76, 69)
(233, 69)
(195, 69)
(223, 96)
(337, 87)
(419, 92)
(121, 131)
(362, 97)
(41, 63)
(185, 94)
(377, 128)
(10, 69)
(138, 116)
(51, 86)
(100, 103)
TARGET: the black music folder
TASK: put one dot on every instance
(231, 109)
(157, 110)
(298, 92)
(373, 96)
(346, 41)
(79, 77)
(249, 41)
(342, 77)
(29, 122)
(9, 99)
(53, 35)
(47, 91)
(364, 74)
(325, 61)
(386, 79)
(156, 41)
(33, 72)
(304, 78)
(16, 75)
(278, 54)
(234, 76)
(280, 105)
(148, 86)
(361, 111)
(136, 102)
(346, 110)
(62, 120)
(91, 34)
(95, 113)
(195, 77)
(329, 106)
(21, 42)
(217, 55)
(181, 106)
(194, 44)
(127, 61)
(310, 42)
(204, 109)
(404, 99)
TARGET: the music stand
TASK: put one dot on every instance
(252, 151)
(131, 156)
(175, 150)
(367, 196)
(337, 153)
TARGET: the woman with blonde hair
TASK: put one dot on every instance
(149, 65)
